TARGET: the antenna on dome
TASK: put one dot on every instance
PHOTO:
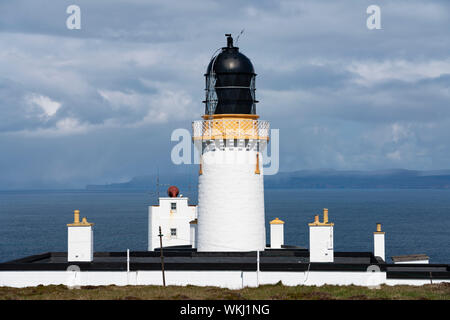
(237, 39)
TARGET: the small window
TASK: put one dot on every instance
(173, 206)
(173, 232)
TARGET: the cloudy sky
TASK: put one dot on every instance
(98, 105)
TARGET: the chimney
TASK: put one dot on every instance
(76, 216)
(193, 233)
(325, 215)
(321, 239)
(80, 239)
(276, 234)
(378, 243)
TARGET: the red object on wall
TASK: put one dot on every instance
(173, 192)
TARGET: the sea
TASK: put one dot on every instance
(415, 221)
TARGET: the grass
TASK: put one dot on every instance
(266, 292)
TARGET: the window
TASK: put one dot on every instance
(173, 206)
(173, 232)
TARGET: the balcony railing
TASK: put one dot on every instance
(230, 129)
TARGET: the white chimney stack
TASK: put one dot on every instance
(378, 243)
(321, 239)
(193, 232)
(80, 242)
(276, 233)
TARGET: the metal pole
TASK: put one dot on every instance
(162, 256)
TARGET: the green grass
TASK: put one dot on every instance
(266, 292)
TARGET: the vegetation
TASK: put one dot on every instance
(266, 292)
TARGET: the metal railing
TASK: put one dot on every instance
(230, 129)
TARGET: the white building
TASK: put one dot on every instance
(276, 233)
(321, 248)
(378, 243)
(80, 239)
(173, 215)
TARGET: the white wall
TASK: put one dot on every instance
(225, 279)
(378, 245)
(179, 219)
(80, 243)
(321, 244)
(276, 235)
(231, 201)
(193, 236)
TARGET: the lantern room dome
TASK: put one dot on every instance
(230, 82)
(230, 60)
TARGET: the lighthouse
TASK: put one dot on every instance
(230, 139)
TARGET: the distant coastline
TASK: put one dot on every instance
(310, 179)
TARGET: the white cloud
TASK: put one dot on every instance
(68, 125)
(64, 127)
(119, 99)
(395, 155)
(400, 132)
(163, 106)
(372, 72)
(49, 107)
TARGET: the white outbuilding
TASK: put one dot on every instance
(276, 233)
(321, 239)
(378, 243)
(80, 239)
(173, 214)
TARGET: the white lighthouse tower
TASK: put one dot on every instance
(230, 140)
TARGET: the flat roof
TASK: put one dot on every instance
(410, 257)
(288, 260)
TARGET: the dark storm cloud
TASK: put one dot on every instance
(98, 104)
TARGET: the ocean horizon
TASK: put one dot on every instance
(415, 220)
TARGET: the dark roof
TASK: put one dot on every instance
(270, 260)
(188, 255)
(288, 260)
(410, 257)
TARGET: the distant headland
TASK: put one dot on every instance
(309, 179)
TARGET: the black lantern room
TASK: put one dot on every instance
(230, 83)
